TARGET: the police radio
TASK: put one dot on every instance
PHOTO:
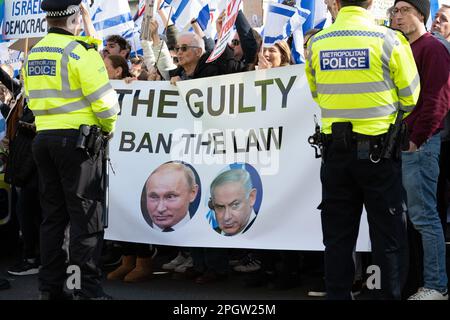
(316, 140)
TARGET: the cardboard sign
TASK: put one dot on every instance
(227, 29)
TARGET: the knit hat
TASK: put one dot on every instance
(423, 6)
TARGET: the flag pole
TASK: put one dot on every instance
(26, 47)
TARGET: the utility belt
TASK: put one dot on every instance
(373, 148)
(90, 139)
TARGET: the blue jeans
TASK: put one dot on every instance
(420, 175)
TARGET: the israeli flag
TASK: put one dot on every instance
(276, 27)
(319, 16)
(215, 9)
(296, 25)
(282, 21)
(114, 17)
(183, 11)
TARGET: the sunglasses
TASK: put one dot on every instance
(183, 48)
(235, 42)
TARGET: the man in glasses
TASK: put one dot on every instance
(244, 45)
(235, 44)
(420, 163)
(190, 50)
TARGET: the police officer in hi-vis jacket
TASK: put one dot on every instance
(361, 75)
(70, 95)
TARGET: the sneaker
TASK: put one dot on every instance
(236, 259)
(25, 267)
(234, 262)
(248, 264)
(179, 259)
(318, 290)
(428, 294)
(188, 263)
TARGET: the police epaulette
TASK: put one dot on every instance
(87, 46)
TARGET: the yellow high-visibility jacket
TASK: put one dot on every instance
(67, 84)
(361, 72)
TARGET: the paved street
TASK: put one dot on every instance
(164, 287)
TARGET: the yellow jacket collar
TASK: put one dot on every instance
(353, 14)
(89, 40)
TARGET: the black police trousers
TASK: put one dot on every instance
(348, 183)
(70, 187)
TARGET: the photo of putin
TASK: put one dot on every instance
(232, 200)
(168, 192)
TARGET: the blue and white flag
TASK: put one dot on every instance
(296, 24)
(215, 9)
(183, 11)
(114, 17)
(283, 21)
(276, 27)
(318, 17)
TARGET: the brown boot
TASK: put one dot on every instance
(128, 264)
(142, 272)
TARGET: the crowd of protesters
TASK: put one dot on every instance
(182, 56)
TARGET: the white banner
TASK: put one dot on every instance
(254, 125)
(24, 19)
